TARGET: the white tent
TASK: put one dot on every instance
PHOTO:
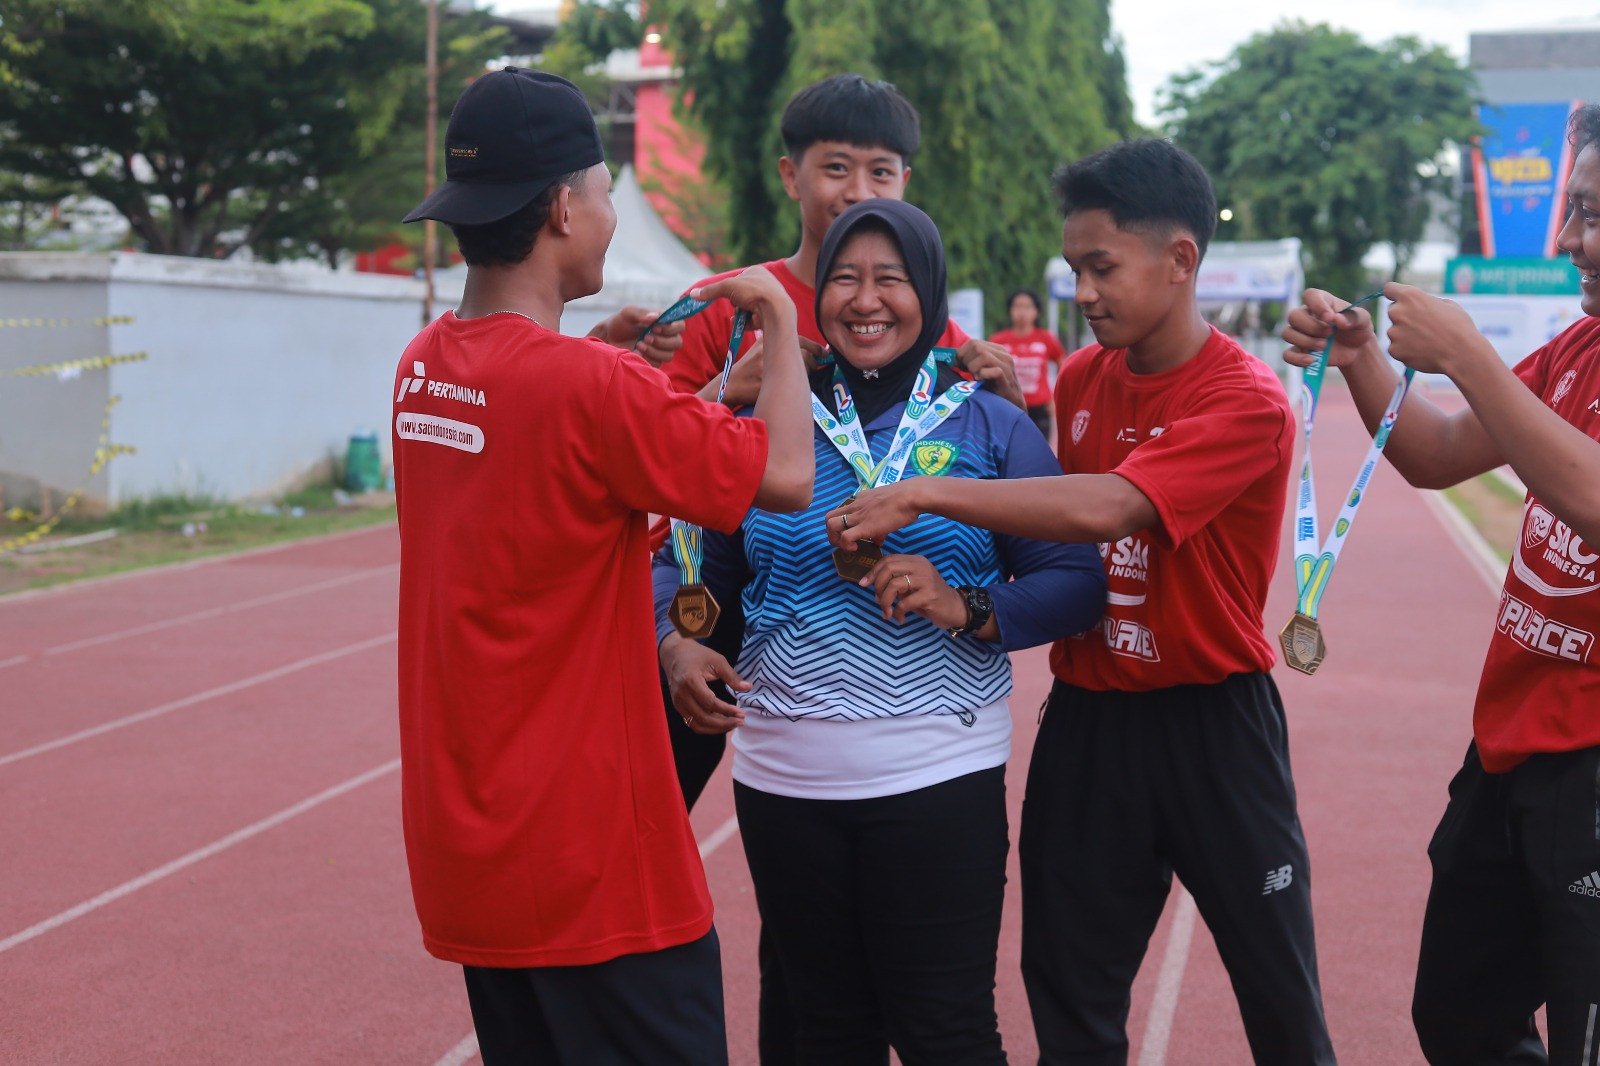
(646, 265)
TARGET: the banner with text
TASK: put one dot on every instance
(1520, 167)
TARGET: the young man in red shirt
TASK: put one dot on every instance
(1163, 747)
(1513, 918)
(1034, 351)
(550, 852)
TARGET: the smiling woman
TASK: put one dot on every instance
(875, 721)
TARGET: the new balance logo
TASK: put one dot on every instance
(1278, 880)
(1586, 886)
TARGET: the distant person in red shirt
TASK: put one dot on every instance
(1034, 352)
(1163, 748)
(550, 852)
(1513, 918)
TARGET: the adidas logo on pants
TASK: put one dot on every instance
(1586, 886)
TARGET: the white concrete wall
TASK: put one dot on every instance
(256, 374)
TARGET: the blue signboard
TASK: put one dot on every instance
(1521, 167)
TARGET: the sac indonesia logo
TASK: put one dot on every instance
(1080, 424)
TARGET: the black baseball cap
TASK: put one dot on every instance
(511, 135)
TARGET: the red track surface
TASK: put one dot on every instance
(152, 727)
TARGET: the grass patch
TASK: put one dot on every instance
(167, 529)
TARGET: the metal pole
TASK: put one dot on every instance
(429, 164)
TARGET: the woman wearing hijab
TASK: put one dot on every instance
(869, 766)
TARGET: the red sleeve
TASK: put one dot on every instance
(1534, 370)
(1053, 343)
(953, 337)
(1201, 463)
(673, 454)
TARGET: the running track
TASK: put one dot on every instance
(203, 863)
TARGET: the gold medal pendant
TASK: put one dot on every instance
(1303, 646)
(855, 565)
(693, 612)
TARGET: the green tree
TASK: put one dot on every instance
(1007, 89)
(204, 122)
(1308, 132)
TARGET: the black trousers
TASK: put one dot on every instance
(1124, 789)
(661, 1008)
(885, 914)
(1513, 916)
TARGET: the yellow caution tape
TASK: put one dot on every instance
(55, 323)
(104, 452)
(96, 363)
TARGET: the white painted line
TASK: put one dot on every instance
(1169, 982)
(189, 564)
(215, 612)
(236, 837)
(199, 697)
(15, 660)
(467, 1049)
(1469, 540)
(462, 1053)
(719, 836)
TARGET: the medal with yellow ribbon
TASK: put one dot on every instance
(1314, 560)
(694, 610)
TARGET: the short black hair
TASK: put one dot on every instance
(508, 241)
(1583, 128)
(1146, 185)
(851, 109)
(1038, 304)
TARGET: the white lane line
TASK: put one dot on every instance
(215, 612)
(719, 836)
(1169, 982)
(188, 564)
(467, 1049)
(236, 837)
(199, 697)
(1466, 536)
(462, 1053)
(16, 660)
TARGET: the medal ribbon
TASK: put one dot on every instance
(1313, 565)
(688, 540)
(923, 414)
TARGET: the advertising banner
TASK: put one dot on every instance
(1520, 167)
(1510, 276)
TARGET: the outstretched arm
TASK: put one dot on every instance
(1558, 462)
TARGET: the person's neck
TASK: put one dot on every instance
(803, 263)
(516, 289)
(1171, 344)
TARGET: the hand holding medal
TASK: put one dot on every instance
(1301, 639)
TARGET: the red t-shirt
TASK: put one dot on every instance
(1211, 443)
(543, 821)
(706, 335)
(1032, 352)
(1541, 681)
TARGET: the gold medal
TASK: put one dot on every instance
(693, 612)
(1303, 646)
(855, 565)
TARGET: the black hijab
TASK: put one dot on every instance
(923, 251)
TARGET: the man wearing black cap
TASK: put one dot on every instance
(549, 849)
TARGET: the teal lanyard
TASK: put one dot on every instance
(1314, 560)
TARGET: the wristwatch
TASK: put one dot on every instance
(979, 609)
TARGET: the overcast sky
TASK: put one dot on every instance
(1164, 37)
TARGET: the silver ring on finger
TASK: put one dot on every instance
(844, 521)
(908, 581)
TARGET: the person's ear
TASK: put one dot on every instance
(559, 219)
(789, 171)
(1185, 255)
(905, 179)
